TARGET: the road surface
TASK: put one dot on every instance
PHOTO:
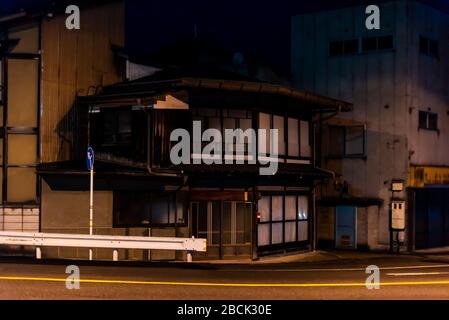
(405, 277)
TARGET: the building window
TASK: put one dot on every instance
(428, 120)
(338, 48)
(148, 209)
(368, 44)
(283, 219)
(347, 141)
(231, 119)
(385, 43)
(293, 135)
(20, 130)
(117, 127)
(429, 47)
(377, 43)
(122, 132)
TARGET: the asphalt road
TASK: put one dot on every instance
(400, 278)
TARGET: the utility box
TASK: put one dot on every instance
(398, 215)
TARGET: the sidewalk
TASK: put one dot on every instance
(316, 256)
(440, 255)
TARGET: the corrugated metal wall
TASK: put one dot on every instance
(73, 61)
(388, 88)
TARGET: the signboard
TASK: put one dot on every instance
(397, 186)
(90, 158)
(421, 176)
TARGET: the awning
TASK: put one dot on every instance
(73, 176)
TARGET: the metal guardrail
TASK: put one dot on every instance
(39, 240)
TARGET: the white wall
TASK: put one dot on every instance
(19, 219)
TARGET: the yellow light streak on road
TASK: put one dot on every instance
(218, 284)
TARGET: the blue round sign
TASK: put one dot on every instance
(90, 157)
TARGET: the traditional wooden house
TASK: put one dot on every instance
(140, 191)
(63, 90)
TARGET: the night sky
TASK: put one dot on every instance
(256, 28)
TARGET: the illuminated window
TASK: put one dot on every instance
(19, 112)
(20, 160)
(293, 134)
(22, 92)
(284, 219)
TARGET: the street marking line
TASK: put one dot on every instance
(206, 284)
(336, 269)
(408, 274)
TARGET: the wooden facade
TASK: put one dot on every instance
(75, 62)
(239, 211)
(43, 67)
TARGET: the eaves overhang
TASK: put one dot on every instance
(141, 92)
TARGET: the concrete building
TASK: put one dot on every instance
(390, 154)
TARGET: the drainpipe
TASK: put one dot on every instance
(315, 224)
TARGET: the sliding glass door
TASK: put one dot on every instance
(225, 224)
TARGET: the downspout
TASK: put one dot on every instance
(148, 141)
(320, 120)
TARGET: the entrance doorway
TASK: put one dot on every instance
(225, 224)
(345, 233)
(431, 218)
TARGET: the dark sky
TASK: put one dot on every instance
(258, 28)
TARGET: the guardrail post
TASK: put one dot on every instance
(38, 253)
(115, 255)
(189, 256)
(149, 251)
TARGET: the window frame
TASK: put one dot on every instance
(429, 42)
(285, 221)
(8, 130)
(360, 45)
(149, 194)
(286, 117)
(112, 117)
(377, 40)
(427, 115)
(206, 114)
(344, 154)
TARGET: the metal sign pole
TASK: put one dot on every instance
(91, 207)
(90, 167)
